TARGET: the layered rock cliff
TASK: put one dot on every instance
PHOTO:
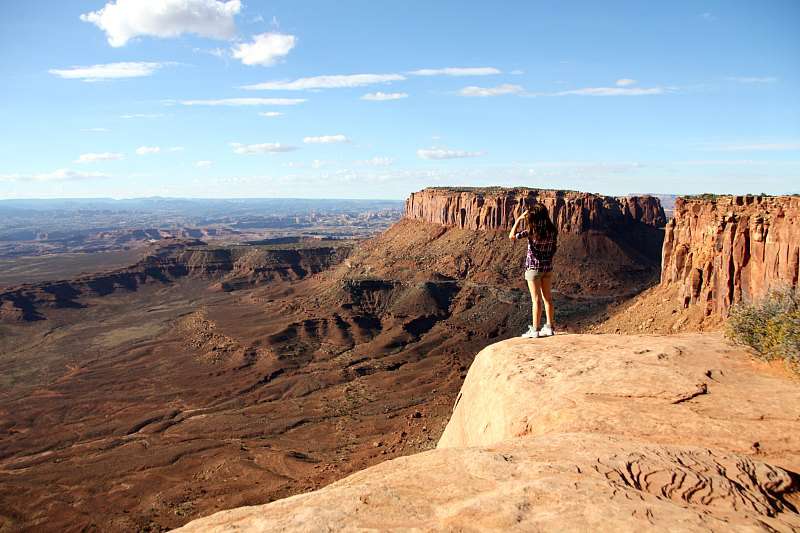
(582, 433)
(717, 251)
(496, 208)
(608, 247)
(724, 250)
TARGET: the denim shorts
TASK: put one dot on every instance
(532, 274)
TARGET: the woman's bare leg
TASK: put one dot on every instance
(545, 285)
(535, 286)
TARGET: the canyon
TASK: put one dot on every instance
(45, 229)
(208, 377)
(233, 267)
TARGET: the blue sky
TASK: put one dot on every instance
(366, 99)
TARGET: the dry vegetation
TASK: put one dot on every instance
(771, 326)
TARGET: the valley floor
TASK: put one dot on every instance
(172, 402)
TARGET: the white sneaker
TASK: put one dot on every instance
(530, 334)
(546, 331)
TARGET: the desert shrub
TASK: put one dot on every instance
(707, 196)
(771, 326)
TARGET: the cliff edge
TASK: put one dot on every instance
(496, 208)
(582, 432)
(734, 248)
(717, 251)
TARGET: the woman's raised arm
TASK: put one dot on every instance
(512, 234)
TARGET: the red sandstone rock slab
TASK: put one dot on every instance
(689, 389)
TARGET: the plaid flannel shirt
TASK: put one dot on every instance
(540, 252)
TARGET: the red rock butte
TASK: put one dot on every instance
(496, 208)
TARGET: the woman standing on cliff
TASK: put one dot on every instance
(542, 238)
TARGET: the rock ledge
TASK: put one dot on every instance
(577, 433)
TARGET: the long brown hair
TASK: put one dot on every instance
(539, 224)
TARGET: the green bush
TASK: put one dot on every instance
(771, 326)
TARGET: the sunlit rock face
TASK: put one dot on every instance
(723, 250)
(496, 208)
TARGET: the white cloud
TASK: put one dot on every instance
(326, 139)
(263, 148)
(216, 52)
(337, 81)
(752, 79)
(517, 72)
(142, 115)
(444, 153)
(380, 97)
(271, 114)
(203, 164)
(456, 71)
(376, 161)
(265, 50)
(94, 157)
(245, 101)
(625, 82)
(123, 20)
(145, 150)
(175, 149)
(612, 91)
(108, 71)
(506, 88)
(62, 174)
